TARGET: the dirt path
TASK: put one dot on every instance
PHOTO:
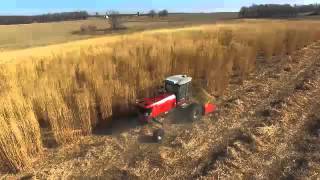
(262, 127)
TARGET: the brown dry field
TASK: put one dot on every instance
(42, 34)
(267, 126)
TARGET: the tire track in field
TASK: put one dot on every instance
(292, 131)
(303, 158)
(281, 90)
(243, 161)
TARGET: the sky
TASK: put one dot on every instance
(32, 7)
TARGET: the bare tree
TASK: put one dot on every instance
(113, 18)
(163, 13)
(152, 13)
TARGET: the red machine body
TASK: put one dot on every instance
(209, 108)
(155, 107)
(177, 94)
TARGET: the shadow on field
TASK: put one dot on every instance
(179, 116)
(313, 126)
(115, 126)
(146, 139)
(99, 31)
(118, 125)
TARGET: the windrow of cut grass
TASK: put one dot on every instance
(73, 92)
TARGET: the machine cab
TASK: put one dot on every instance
(179, 85)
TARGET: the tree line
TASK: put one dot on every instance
(276, 10)
(162, 13)
(308, 8)
(64, 16)
(51, 17)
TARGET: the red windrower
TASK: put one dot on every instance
(175, 95)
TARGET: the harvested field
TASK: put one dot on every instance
(40, 34)
(265, 78)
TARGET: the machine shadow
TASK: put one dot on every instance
(146, 139)
(117, 125)
(179, 116)
(114, 126)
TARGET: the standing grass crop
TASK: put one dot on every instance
(73, 92)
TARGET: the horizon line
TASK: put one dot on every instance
(121, 12)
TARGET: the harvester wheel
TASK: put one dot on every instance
(195, 112)
(158, 135)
